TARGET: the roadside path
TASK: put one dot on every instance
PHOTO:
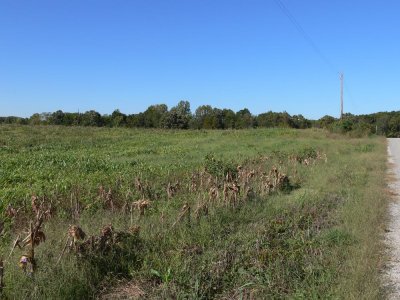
(393, 230)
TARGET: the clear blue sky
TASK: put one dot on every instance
(103, 55)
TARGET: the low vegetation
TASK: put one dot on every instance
(250, 214)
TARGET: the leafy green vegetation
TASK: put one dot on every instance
(194, 214)
(207, 117)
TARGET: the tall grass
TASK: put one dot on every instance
(319, 239)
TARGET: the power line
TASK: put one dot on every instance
(341, 95)
(316, 49)
(305, 35)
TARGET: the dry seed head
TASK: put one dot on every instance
(35, 204)
(76, 233)
(193, 184)
(226, 191)
(209, 181)
(141, 205)
(202, 209)
(172, 189)
(48, 214)
(27, 262)
(40, 237)
(169, 190)
(135, 229)
(102, 192)
(234, 187)
(228, 177)
(107, 230)
(138, 184)
(109, 196)
(23, 262)
(11, 212)
(213, 193)
(185, 207)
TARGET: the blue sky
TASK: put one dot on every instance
(95, 54)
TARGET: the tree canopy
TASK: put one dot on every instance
(208, 117)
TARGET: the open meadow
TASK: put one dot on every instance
(190, 214)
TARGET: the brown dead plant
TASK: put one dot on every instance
(141, 205)
(275, 181)
(185, 212)
(231, 193)
(34, 238)
(213, 193)
(172, 189)
(202, 209)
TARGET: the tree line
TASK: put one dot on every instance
(208, 117)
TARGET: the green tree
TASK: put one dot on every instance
(91, 118)
(57, 118)
(178, 117)
(228, 119)
(35, 119)
(135, 120)
(298, 121)
(204, 117)
(244, 119)
(118, 119)
(326, 121)
(154, 115)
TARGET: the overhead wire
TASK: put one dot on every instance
(305, 35)
(308, 39)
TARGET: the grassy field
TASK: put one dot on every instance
(305, 223)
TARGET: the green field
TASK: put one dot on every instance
(313, 231)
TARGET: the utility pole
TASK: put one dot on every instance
(341, 95)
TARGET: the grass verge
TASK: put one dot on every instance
(306, 222)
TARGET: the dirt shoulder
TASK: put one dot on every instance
(393, 230)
